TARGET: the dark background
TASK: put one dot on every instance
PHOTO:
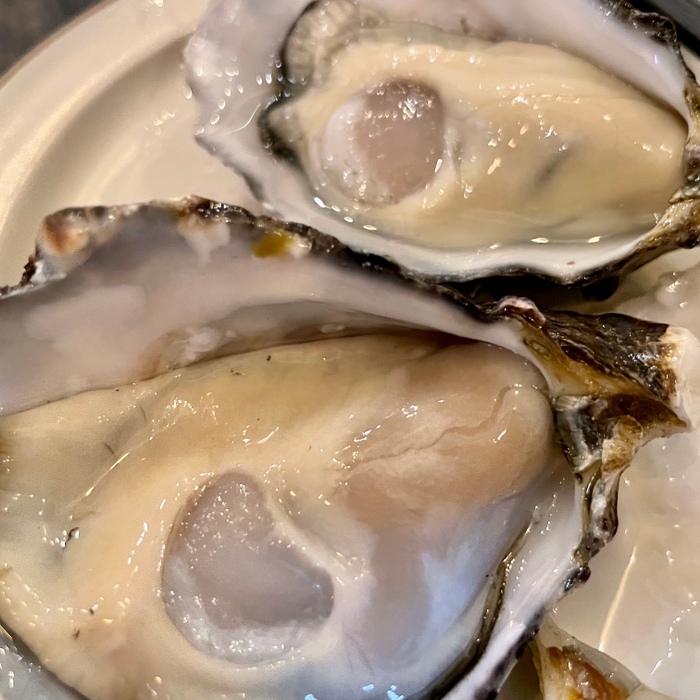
(24, 23)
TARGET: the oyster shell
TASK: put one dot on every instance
(646, 585)
(123, 294)
(284, 95)
(571, 670)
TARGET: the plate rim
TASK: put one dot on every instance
(55, 34)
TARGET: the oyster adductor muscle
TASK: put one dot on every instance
(461, 140)
(140, 334)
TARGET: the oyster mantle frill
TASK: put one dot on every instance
(122, 294)
(379, 123)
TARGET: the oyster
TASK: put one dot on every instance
(454, 138)
(570, 670)
(117, 499)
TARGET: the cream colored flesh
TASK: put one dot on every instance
(386, 462)
(526, 142)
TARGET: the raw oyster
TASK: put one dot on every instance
(123, 294)
(453, 138)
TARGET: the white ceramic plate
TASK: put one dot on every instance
(101, 114)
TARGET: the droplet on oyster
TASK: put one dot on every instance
(460, 140)
(418, 510)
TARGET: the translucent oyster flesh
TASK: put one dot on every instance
(456, 139)
(155, 471)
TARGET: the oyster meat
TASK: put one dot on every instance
(430, 136)
(320, 543)
(367, 486)
(460, 140)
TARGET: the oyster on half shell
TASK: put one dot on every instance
(121, 494)
(461, 140)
